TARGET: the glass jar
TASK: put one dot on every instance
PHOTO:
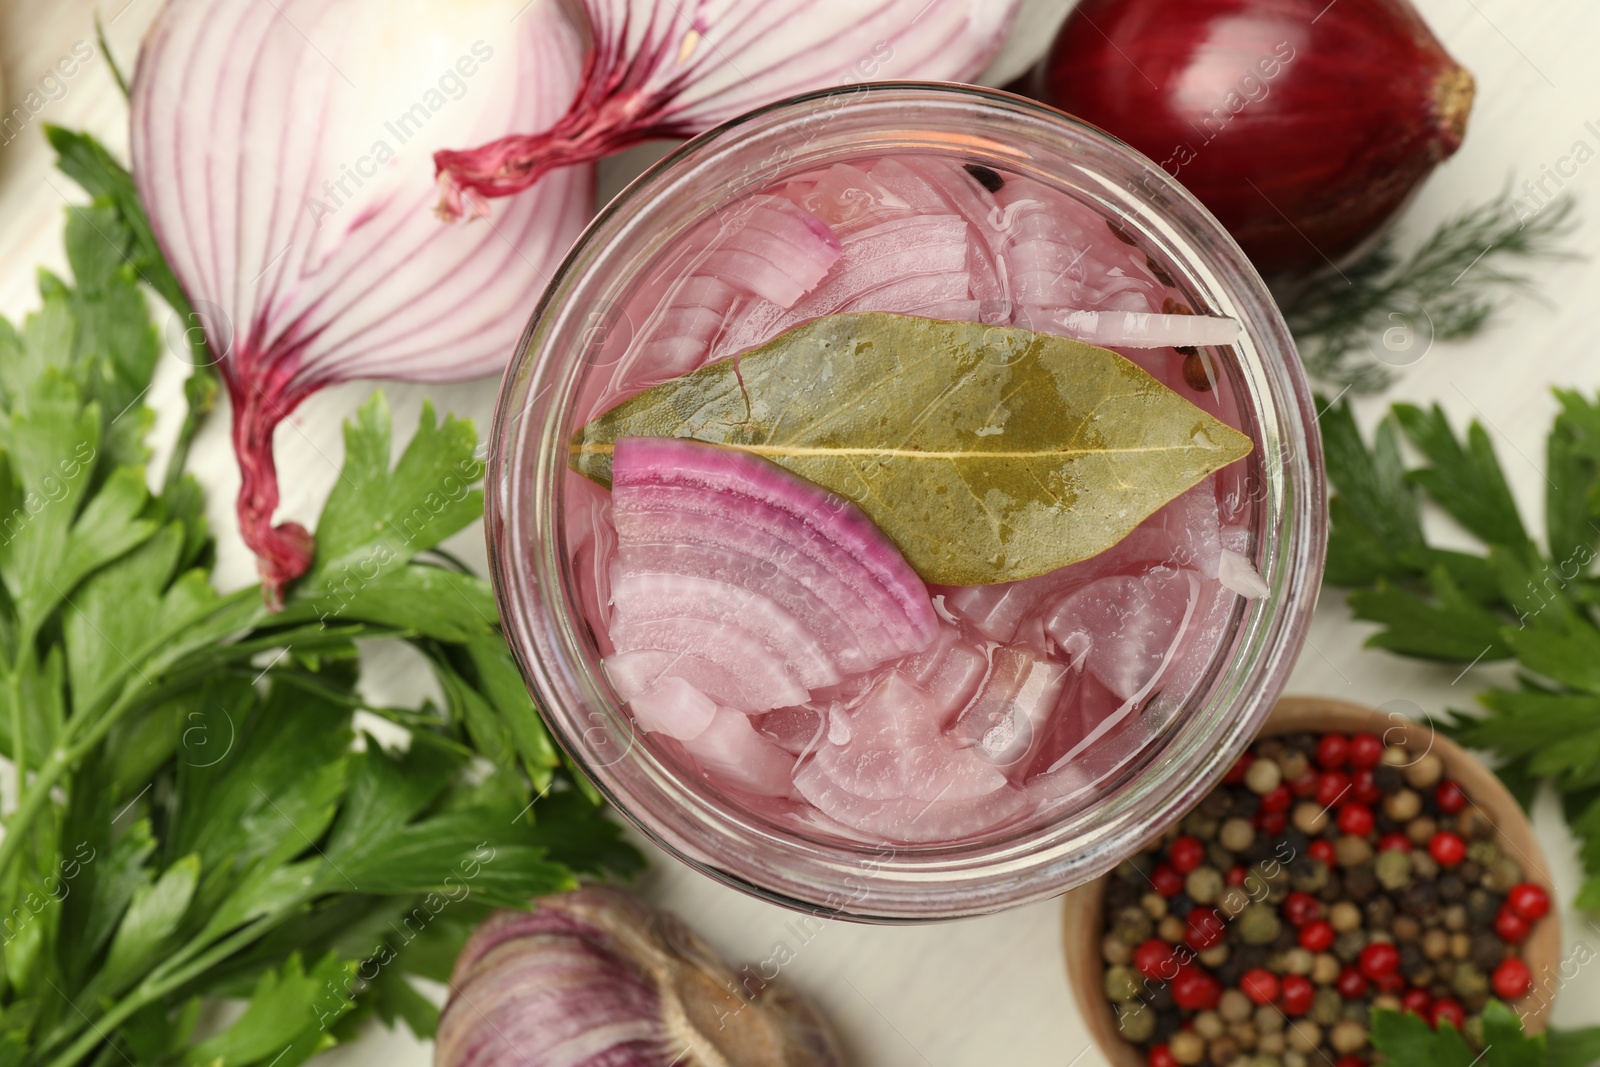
(567, 340)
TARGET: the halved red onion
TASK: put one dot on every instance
(282, 149)
(751, 584)
(658, 69)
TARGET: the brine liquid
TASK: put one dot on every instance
(1036, 694)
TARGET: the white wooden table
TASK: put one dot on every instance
(988, 991)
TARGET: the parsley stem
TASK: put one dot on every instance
(19, 738)
(31, 799)
(200, 396)
(157, 985)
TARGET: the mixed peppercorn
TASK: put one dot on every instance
(1328, 875)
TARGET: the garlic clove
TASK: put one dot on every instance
(594, 977)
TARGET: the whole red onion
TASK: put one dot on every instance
(1303, 125)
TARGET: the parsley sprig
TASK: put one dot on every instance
(206, 804)
(1407, 1040)
(1519, 599)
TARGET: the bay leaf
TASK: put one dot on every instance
(987, 454)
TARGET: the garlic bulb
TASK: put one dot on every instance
(595, 978)
(283, 151)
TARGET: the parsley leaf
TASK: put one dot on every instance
(205, 809)
(1514, 599)
(1406, 1039)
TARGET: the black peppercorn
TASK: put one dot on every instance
(1420, 898)
(1180, 906)
(1482, 906)
(1451, 888)
(1487, 950)
(1411, 958)
(1380, 913)
(1159, 996)
(1359, 882)
(1333, 892)
(1387, 779)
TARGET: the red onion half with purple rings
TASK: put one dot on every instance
(282, 149)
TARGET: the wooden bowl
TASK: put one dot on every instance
(1081, 921)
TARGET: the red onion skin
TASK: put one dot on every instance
(283, 552)
(1304, 126)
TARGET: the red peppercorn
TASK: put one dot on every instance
(1351, 984)
(1301, 908)
(1161, 1056)
(1235, 775)
(1379, 959)
(1317, 936)
(1185, 854)
(1260, 985)
(1306, 784)
(1296, 995)
(1512, 979)
(1236, 875)
(1445, 1010)
(1363, 789)
(1271, 822)
(1205, 929)
(1393, 984)
(1167, 882)
(1195, 990)
(1528, 901)
(1332, 787)
(1417, 1001)
(1277, 799)
(1394, 842)
(1332, 751)
(1155, 959)
(1321, 849)
(1510, 926)
(1356, 820)
(1449, 797)
(1366, 750)
(1447, 848)
(1351, 1060)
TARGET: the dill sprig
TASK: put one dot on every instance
(1383, 311)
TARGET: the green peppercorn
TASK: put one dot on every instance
(1121, 983)
(1482, 906)
(1204, 885)
(1237, 834)
(1325, 1009)
(1235, 1006)
(1348, 1037)
(1393, 869)
(1310, 876)
(1263, 776)
(1198, 824)
(1348, 945)
(1455, 917)
(1403, 805)
(1269, 1019)
(1136, 1022)
(1472, 1030)
(1424, 866)
(1425, 771)
(1469, 980)
(1345, 917)
(1502, 875)
(1136, 869)
(1224, 1052)
(1132, 925)
(1115, 950)
(1187, 1047)
(1351, 851)
(1483, 852)
(1259, 925)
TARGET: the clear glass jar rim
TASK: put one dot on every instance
(527, 463)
